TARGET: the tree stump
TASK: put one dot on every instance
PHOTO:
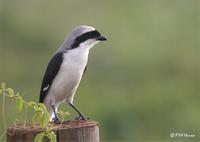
(70, 131)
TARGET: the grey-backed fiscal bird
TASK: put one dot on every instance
(65, 70)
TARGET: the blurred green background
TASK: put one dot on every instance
(141, 85)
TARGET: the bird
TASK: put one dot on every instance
(66, 68)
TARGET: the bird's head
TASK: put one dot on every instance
(82, 37)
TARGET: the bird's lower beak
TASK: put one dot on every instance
(101, 38)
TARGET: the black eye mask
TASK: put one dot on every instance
(82, 38)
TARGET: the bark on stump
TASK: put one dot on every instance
(72, 131)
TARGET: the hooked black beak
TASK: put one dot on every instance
(101, 38)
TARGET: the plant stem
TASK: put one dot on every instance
(25, 119)
(3, 111)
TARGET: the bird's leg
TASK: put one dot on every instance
(55, 119)
(81, 116)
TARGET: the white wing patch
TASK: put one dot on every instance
(46, 88)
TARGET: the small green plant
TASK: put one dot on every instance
(40, 116)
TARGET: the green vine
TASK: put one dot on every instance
(40, 116)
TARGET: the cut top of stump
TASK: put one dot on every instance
(64, 125)
(77, 130)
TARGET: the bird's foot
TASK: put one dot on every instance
(81, 117)
(56, 120)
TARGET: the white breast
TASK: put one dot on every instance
(68, 78)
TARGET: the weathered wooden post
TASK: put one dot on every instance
(72, 131)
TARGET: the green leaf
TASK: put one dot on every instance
(19, 103)
(10, 92)
(39, 137)
(32, 104)
(41, 105)
(52, 137)
(38, 109)
(36, 117)
(45, 119)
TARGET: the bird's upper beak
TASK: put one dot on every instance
(101, 38)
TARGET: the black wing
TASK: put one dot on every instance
(51, 71)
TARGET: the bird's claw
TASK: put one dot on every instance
(56, 120)
(80, 117)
